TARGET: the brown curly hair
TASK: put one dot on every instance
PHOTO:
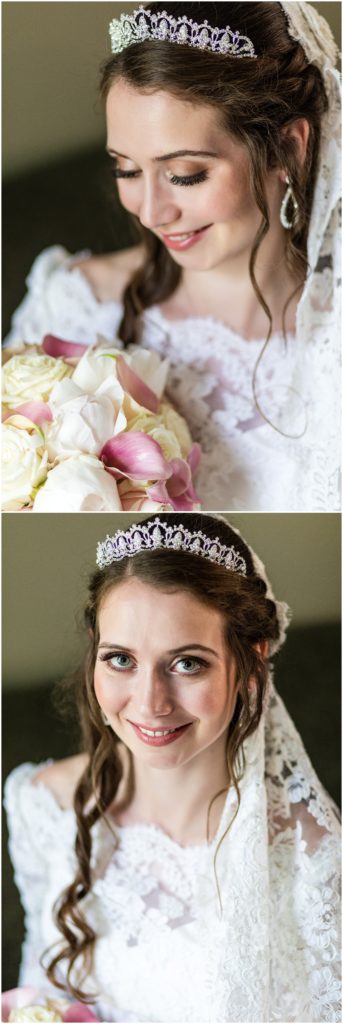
(255, 100)
(250, 618)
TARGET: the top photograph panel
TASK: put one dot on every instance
(171, 303)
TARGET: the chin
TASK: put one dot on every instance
(200, 261)
(188, 261)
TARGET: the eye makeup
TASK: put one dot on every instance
(125, 663)
(175, 179)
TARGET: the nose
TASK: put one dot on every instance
(153, 697)
(158, 208)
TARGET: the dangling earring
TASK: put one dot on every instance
(289, 195)
(106, 721)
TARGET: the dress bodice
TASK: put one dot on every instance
(144, 907)
(290, 463)
(167, 948)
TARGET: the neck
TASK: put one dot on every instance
(230, 295)
(177, 799)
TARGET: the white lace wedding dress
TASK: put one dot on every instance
(164, 951)
(246, 464)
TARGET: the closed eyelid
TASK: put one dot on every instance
(189, 177)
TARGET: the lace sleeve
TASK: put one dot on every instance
(61, 302)
(33, 822)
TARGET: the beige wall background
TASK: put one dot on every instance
(51, 55)
(47, 560)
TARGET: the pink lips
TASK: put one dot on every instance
(160, 741)
(180, 245)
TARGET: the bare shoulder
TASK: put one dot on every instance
(62, 778)
(108, 275)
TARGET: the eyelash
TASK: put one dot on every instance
(175, 179)
(111, 655)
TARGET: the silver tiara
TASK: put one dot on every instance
(142, 24)
(156, 534)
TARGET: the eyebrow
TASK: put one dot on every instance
(169, 156)
(174, 650)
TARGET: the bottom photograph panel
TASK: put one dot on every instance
(171, 709)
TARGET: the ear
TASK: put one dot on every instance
(298, 131)
(262, 649)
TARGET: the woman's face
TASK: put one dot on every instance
(184, 177)
(163, 676)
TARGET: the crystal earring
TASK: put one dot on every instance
(106, 721)
(288, 196)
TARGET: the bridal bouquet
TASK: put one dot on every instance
(89, 429)
(27, 1004)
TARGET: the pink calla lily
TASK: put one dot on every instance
(179, 479)
(177, 490)
(55, 347)
(135, 455)
(79, 1012)
(159, 493)
(37, 412)
(180, 484)
(135, 386)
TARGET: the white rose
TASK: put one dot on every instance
(24, 465)
(78, 484)
(96, 374)
(166, 440)
(31, 377)
(34, 1013)
(176, 423)
(168, 428)
(81, 423)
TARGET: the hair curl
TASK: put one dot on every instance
(249, 617)
(255, 100)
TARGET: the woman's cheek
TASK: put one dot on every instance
(129, 196)
(203, 701)
(110, 693)
(215, 696)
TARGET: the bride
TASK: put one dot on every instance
(224, 140)
(185, 865)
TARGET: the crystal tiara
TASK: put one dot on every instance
(142, 24)
(156, 534)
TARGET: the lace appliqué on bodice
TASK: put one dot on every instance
(143, 907)
(166, 950)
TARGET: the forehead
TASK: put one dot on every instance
(134, 609)
(136, 118)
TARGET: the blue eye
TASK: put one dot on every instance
(189, 666)
(120, 662)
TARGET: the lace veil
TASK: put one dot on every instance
(275, 949)
(317, 360)
(308, 28)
